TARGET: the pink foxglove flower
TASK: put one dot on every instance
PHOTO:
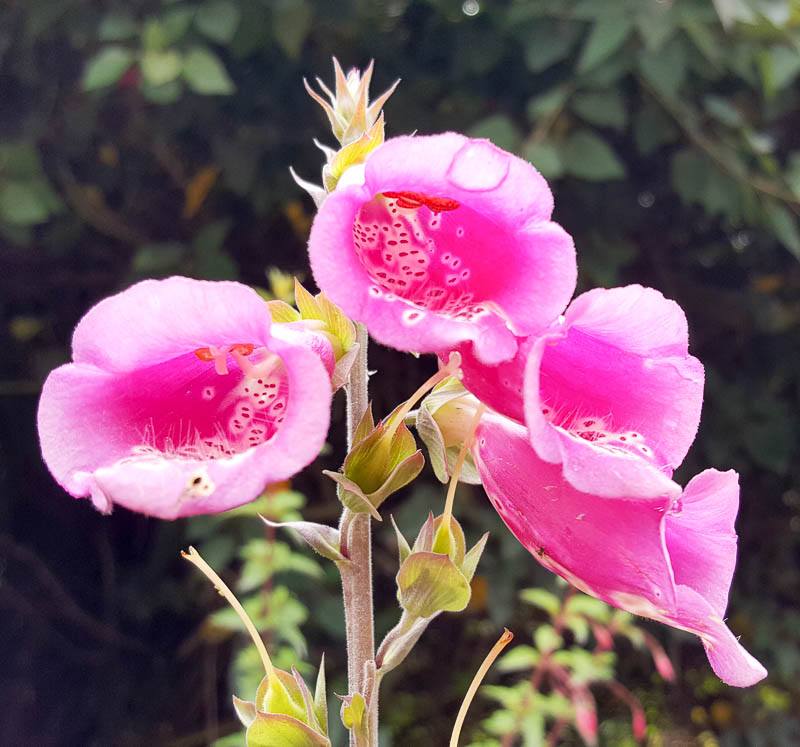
(671, 560)
(446, 240)
(183, 398)
(609, 391)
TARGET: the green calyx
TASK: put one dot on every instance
(435, 573)
(384, 459)
(285, 713)
(443, 420)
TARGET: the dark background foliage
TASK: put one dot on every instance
(147, 137)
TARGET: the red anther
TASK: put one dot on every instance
(204, 354)
(243, 348)
(418, 199)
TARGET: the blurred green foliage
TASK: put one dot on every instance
(146, 137)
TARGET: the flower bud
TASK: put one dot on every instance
(444, 420)
(435, 575)
(384, 459)
(285, 712)
(356, 123)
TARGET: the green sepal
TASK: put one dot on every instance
(321, 697)
(449, 539)
(280, 730)
(399, 642)
(403, 548)
(442, 421)
(472, 558)
(338, 328)
(280, 695)
(245, 710)
(383, 460)
(321, 538)
(429, 583)
(281, 312)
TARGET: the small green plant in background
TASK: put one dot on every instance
(572, 655)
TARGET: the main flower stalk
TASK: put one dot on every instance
(357, 574)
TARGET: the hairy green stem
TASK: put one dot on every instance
(357, 575)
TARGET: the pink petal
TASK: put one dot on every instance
(146, 323)
(181, 434)
(701, 538)
(485, 264)
(605, 548)
(728, 658)
(617, 405)
(622, 551)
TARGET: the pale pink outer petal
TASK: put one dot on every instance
(148, 322)
(701, 539)
(475, 172)
(499, 186)
(620, 551)
(605, 548)
(633, 318)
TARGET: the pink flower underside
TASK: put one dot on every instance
(448, 239)
(670, 561)
(182, 435)
(611, 392)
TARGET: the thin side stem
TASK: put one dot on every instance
(498, 647)
(357, 574)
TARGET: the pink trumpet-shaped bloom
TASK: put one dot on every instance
(183, 399)
(610, 392)
(671, 560)
(447, 240)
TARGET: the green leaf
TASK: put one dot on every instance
(547, 639)
(291, 22)
(543, 599)
(157, 258)
(106, 67)
(499, 129)
(175, 23)
(655, 23)
(169, 93)
(581, 604)
(604, 108)
(549, 42)
(21, 204)
(161, 67)
(587, 156)
(19, 160)
(218, 20)
(778, 67)
(519, 659)
(117, 26)
(653, 128)
(545, 156)
(547, 104)
(605, 38)
(665, 70)
(205, 73)
(784, 225)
